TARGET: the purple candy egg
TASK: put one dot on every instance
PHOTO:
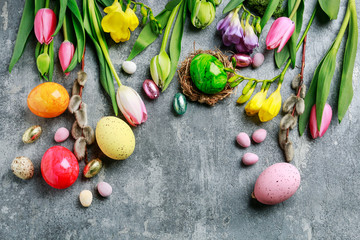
(150, 88)
(104, 189)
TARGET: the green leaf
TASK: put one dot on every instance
(298, 20)
(172, 4)
(282, 57)
(310, 99)
(147, 36)
(111, 86)
(38, 5)
(346, 88)
(232, 5)
(51, 55)
(25, 28)
(270, 9)
(175, 44)
(330, 7)
(78, 27)
(62, 11)
(105, 3)
(326, 73)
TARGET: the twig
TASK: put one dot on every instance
(301, 81)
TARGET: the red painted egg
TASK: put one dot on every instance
(59, 167)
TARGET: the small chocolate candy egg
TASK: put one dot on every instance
(151, 89)
(242, 60)
(129, 67)
(180, 103)
(61, 134)
(85, 198)
(243, 140)
(32, 134)
(22, 167)
(257, 60)
(92, 168)
(250, 158)
(104, 189)
(259, 135)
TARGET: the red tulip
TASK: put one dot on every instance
(45, 25)
(325, 121)
(280, 33)
(66, 53)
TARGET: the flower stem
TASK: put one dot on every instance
(65, 29)
(102, 41)
(47, 3)
(297, 4)
(46, 47)
(168, 27)
(342, 30)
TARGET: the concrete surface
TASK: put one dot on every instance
(184, 180)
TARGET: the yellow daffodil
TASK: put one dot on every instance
(271, 106)
(119, 23)
(254, 105)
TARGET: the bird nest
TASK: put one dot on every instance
(191, 91)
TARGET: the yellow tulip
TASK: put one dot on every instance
(119, 23)
(271, 106)
(254, 105)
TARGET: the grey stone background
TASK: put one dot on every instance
(184, 180)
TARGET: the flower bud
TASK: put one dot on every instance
(45, 25)
(289, 104)
(287, 121)
(325, 121)
(66, 53)
(202, 13)
(160, 68)
(279, 33)
(289, 151)
(245, 97)
(43, 63)
(300, 106)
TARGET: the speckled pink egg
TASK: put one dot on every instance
(250, 158)
(277, 183)
(259, 135)
(61, 134)
(243, 140)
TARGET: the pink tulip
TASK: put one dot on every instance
(131, 105)
(66, 53)
(325, 121)
(45, 25)
(280, 33)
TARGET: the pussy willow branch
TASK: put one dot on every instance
(301, 81)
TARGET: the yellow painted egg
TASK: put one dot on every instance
(115, 138)
(48, 100)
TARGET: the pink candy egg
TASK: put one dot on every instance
(259, 135)
(277, 183)
(150, 88)
(250, 158)
(61, 134)
(104, 189)
(243, 140)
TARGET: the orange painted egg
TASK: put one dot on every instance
(48, 100)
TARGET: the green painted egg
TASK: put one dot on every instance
(180, 103)
(207, 73)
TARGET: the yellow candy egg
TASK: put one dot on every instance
(115, 138)
(48, 100)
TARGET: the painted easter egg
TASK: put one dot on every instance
(277, 183)
(59, 167)
(207, 73)
(115, 138)
(48, 100)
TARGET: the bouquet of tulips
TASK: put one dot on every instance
(38, 16)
